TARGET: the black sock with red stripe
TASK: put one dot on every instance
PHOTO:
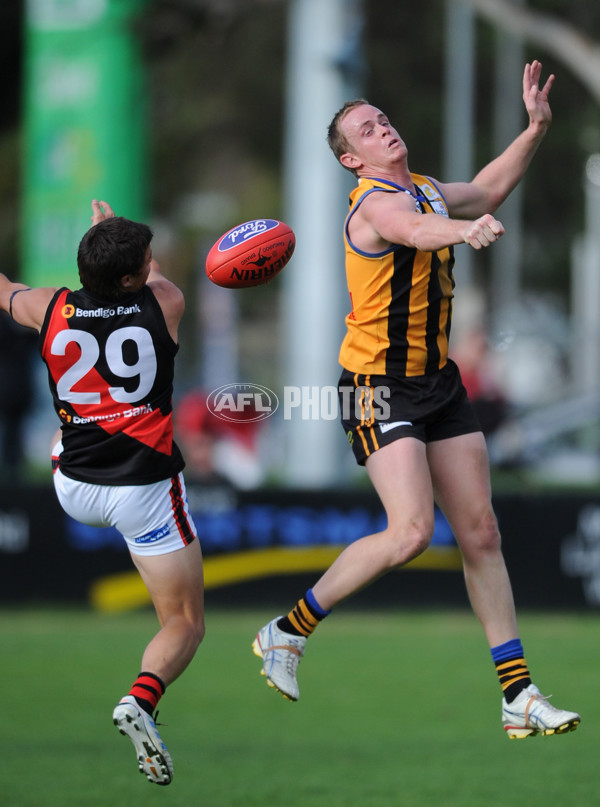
(148, 689)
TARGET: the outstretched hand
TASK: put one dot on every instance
(101, 211)
(536, 99)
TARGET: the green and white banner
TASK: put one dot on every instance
(84, 125)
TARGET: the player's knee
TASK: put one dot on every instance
(191, 625)
(485, 535)
(410, 540)
(198, 630)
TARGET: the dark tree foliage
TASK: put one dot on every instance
(216, 81)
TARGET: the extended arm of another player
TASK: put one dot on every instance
(490, 187)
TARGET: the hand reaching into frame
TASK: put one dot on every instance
(101, 211)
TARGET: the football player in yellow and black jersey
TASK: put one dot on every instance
(109, 348)
(404, 408)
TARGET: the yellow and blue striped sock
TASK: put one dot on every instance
(511, 668)
(304, 616)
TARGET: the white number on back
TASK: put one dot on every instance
(90, 352)
(144, 367)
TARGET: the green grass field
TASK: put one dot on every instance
(396, 709)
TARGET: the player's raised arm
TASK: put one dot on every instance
(169, 296)
(495, 181)
(101, 211)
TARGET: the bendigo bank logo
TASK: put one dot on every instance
(68, 311)
(64, 415)
(242, 403)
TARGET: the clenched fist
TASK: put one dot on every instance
(483, 231)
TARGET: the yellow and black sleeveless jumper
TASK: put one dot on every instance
(401, 297)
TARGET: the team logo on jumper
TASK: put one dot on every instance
(242, 403)
(68, 311)
(430, 192)
(435, 200)
(105, 313)
(245, 232)
(154, 536)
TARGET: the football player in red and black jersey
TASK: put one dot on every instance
(110, 348)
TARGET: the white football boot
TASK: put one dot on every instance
(153, 758)
(530, 714)
(281, 653)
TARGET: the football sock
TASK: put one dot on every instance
(304, 616)
(511, 668)
(148, 690)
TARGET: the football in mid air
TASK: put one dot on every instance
(250, 254)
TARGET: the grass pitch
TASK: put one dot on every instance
(396, 708)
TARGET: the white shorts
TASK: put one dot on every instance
(153, 519)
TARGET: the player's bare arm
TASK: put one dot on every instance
(496, 180)
(385, 218)
(27, 306)
(169, 296)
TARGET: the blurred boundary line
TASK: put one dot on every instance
(126, 591)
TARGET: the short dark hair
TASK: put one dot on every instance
(109, 250)
(336, 140)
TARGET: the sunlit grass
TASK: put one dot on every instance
(396, 708)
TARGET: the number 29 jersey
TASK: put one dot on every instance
(110, 370)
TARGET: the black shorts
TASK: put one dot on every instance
(377, 409)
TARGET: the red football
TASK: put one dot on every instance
(250, 254)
